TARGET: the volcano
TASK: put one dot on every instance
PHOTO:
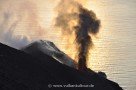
(36, 67)
(43, 47)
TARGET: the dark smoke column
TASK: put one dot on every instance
(86, 25)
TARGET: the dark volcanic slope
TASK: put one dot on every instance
(20, 71)
(42, 48)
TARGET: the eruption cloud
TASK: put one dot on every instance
(7, 34)
(73, 17)
(19, 16)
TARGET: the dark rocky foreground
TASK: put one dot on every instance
(21, 71)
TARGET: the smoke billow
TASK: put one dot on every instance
(73, 17)
(19, 23)
(7, 34)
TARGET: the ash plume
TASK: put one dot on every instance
(73, 17)
(7, 33)
(19, 16)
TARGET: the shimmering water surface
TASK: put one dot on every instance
(115, 48)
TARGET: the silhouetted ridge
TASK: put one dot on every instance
(40, 48)
(21, 71)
